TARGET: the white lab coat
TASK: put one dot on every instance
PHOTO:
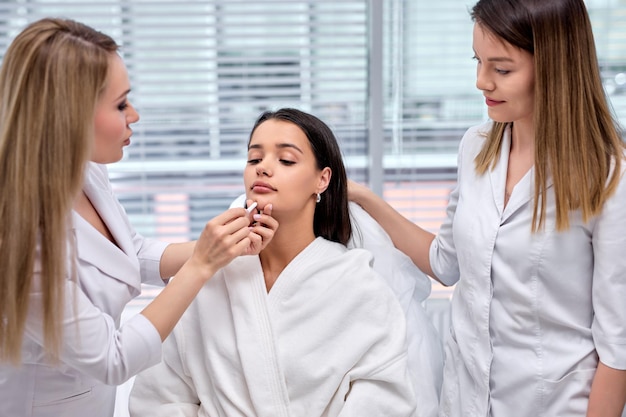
(97, 354)
(531, 313)
(328, 340)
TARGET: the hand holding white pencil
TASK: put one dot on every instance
(262, 227)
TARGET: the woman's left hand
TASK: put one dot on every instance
(262, 229)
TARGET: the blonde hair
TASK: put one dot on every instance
(50, 79)
(577, 141)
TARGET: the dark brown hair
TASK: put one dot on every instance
(332, 218)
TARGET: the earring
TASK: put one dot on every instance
(318, 198)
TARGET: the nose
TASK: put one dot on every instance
(131, 114)
(263, 170)
(483, 80)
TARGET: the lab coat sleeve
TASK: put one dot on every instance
(609, 280)
(443, 259)
(92, 343)
(165, 390)
(149, 252)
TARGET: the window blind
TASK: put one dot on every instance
(203, 70)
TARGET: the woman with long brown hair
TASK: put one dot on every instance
(536, 228)
(307, 328)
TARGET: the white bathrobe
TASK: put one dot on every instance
(411, 287)
(327, 340)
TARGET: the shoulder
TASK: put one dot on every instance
(331, 259)
(350, 269)
(474, 138)
(327, 254)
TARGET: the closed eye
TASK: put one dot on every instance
(253, 161)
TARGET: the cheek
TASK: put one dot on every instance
(303, 185)
(107, 127)
(101, 131)
(249, 175)
(529, 102)
(113, 123)
(530, 88)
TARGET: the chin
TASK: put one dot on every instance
(499, 119)
(108, 160)
(261, 203)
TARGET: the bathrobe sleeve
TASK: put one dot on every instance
(380, 382)
(165, 390)
(380, 394)
(411, 287)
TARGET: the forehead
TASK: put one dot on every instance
(117, 77)
(488, 43)
(274, 132)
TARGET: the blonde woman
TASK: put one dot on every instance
(70, 258)
(536, 228)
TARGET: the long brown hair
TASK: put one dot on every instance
(577, 140)
(50, 79)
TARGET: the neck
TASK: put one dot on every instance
(287, 243)
(522, 138)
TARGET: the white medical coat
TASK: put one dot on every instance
(97, 353)
(531, 313)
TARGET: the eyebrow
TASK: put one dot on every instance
(125, 93)
(279, 145)
(497, 58)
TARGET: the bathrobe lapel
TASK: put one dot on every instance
(255, 338)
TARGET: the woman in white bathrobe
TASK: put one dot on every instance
(536, 230)
(70, 258)
(307, 328)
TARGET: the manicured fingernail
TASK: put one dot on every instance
(256, 216)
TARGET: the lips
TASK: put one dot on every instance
(127, 141)
(491, 102)
(262, 187)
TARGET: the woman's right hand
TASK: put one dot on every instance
(223, 238)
